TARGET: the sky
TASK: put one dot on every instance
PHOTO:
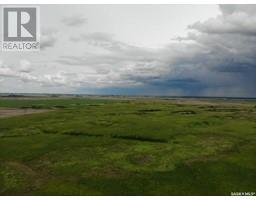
(172, 50)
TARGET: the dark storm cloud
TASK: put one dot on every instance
(223, 52)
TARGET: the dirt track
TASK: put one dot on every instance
(8, 112)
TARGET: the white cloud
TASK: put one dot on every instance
(25, 66)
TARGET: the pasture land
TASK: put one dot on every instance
(86, 146)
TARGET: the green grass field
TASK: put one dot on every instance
(128, 147)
